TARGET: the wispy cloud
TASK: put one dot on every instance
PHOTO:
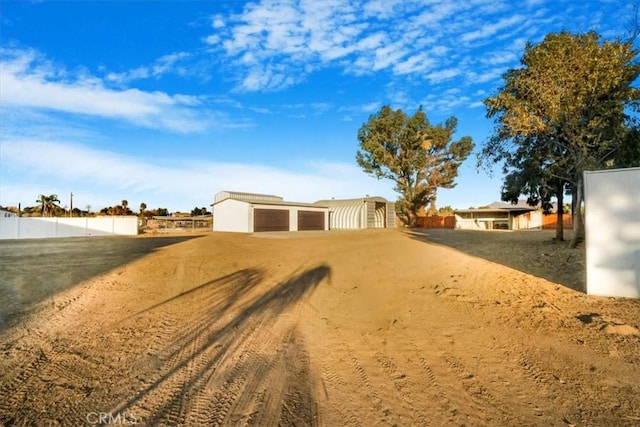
(273, 45)
(166, 64)
(102, 178)
(27, 80)
(488, 30)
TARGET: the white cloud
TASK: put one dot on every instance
(362, 37)
(134, 74)
(499, 58)
(217, 22)
(212, 39)
(166, 64)
(446, 102)
(388, 55)
(28, 81)
(442, 75)
(489, 30)
(487, 75)
(382, 9)
(269, 77)
(400, 38)
(101, 178)
(414, 64)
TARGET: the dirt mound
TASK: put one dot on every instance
(378, 327)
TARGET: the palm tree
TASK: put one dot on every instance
(48, 203)
(42, 202)
(125, 205)
(53, 203)
(143, 206)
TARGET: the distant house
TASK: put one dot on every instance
(499, 216)
(5, 213)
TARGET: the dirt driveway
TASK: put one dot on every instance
(380, 327)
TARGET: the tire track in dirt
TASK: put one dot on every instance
(270, 373)
(343, 387)
(402, 383)
(300, 406)
(341, 353)
(182, 347)
(251, 373)
(57, 372)
(13, 392)
(384, 400)
(534, 372)
(190, 364)
(478, 393)
(444, 403)
(364, 378)
(322, 384)
(174, 411)
(266, 406)
(243, 360)
(336, 382)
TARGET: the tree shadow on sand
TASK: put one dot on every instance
(238, 358)
(532, 252)
(33, 270)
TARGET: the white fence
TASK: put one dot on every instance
(612, 214)
(38, 228)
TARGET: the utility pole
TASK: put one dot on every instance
(71, 210)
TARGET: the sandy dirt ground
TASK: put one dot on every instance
(362, 328)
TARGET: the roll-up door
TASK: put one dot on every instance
(310, 220)
(270, 220)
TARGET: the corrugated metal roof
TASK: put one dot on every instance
(504, 205)
(341, 202)
(283, 203)
(250, 197)
(507, 209)
(521, 206)
(261, 199)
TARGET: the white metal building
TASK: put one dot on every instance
(250, 212)
(612, 223)
(366, 212)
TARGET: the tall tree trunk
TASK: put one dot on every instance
(412, 217)
(578, 222)
(433, 210)
(560, 211)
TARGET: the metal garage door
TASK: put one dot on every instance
(310, 220)
(270, 220)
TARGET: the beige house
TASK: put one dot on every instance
(499, 216)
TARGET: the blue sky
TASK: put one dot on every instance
(169, 102)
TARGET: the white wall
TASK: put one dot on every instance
(38, 227)
(612, 220)
(467, 224)
(232, 215)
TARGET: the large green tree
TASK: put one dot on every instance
(418, 156)
(563, 112)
